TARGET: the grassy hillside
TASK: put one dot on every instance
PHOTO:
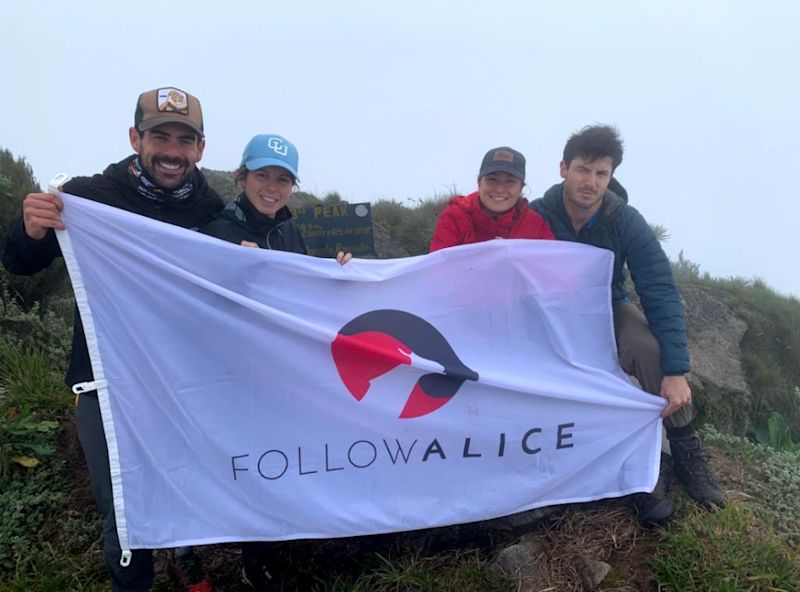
(770, 352)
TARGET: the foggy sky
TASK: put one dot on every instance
(400, 100)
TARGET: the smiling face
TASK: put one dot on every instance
(168, 152)
(268, 189)
(499, 192)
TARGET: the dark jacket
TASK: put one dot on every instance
(115, 187)
(240, 221)
(621, 229)
(464, 221)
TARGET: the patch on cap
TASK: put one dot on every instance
(503, 159)
(172, 100)
(503, 155)
(167, 105)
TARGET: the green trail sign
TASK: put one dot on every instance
(336, 227)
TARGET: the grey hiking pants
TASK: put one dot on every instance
(138, 576)
(640, 356)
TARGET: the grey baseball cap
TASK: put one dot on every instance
(503, 159)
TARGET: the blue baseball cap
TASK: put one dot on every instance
(270, 150)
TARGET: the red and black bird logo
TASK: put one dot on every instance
(375, 342)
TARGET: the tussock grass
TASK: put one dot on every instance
(770, 483)
(410, 227)
(30, 378)
(602, 531)
(725, 551)
(455, 572)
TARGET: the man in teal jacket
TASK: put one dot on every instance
(652, 346)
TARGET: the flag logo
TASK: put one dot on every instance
(378, 341)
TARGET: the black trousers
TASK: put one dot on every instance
(138, 576)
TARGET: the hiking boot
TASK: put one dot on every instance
(651, 509)
(692, 469)
(654, 509)
(255, 571)
(187, 570)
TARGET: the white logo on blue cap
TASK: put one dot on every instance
(270, 150)
(277, 146)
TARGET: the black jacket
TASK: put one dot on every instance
(620, 228)
(118, 188)
(240, 221)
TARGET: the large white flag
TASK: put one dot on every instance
(257, 395)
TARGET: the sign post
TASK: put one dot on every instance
(329, 228)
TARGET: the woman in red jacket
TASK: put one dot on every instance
(496, 210)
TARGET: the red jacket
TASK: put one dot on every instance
(464, 221)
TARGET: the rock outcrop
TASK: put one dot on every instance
(715, 333)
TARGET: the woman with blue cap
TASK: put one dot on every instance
(259, 216)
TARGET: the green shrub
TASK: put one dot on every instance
(16, 181)
(332, 198)
(730, 413)
(45, 325)
(45, 546)
(417, 230)
(50, 572)
(389, 213)
(777, 433)
(24, 439)
(685, 270)
(724, 551)
(771, 481)
(410, 227)
(27, 504)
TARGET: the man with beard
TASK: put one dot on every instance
(652, 346)
(159, 181)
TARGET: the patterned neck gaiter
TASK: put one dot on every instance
(146, 187)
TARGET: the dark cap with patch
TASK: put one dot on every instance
(505, 160)
(168, 105)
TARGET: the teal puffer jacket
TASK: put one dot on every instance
(622, 229)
